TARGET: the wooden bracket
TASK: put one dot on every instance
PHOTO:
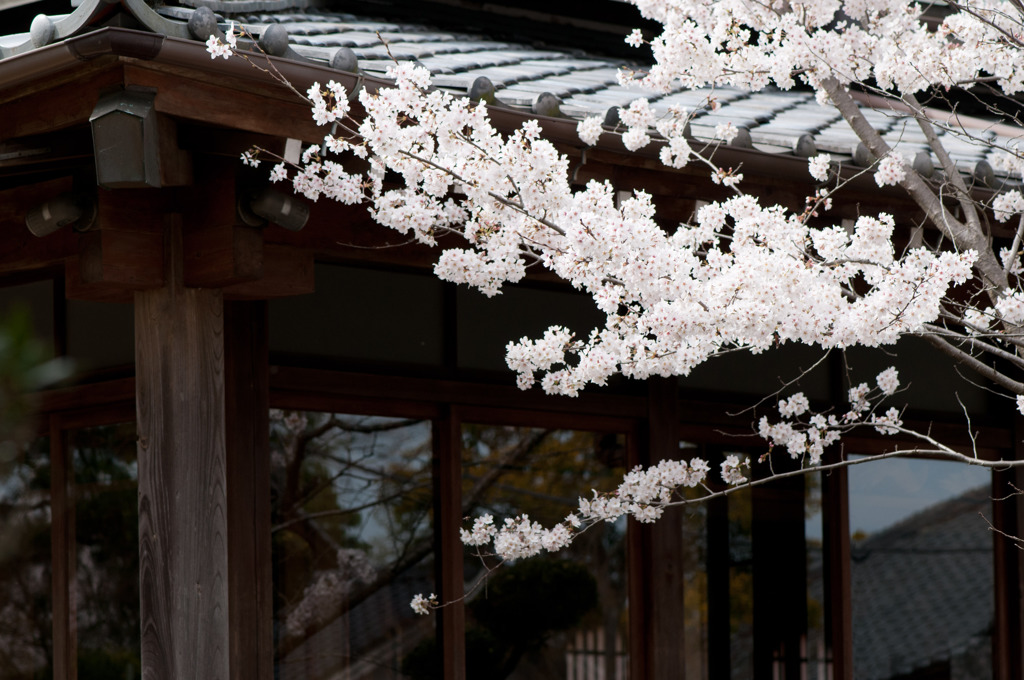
(124, 250)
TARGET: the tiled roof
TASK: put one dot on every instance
(785, 122)
(922, 591)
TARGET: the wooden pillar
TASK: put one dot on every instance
(638, 559)
(448, 548)
(247, 419)
(203, 507)
(665, 610)
(838, 605)
(64, 557)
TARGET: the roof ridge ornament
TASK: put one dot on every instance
(42, 30)
(47, 29)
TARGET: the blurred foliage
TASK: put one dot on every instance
(26, 364)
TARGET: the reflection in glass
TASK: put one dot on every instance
(26, 641)
(754, 588)
(816, 647)
(106, 486)
(695, 586)
(352, 543)
(741, 584)
(718, 586)
(921, 570)
(560, 616)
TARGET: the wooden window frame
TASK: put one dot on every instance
(63, 541)
(448, 403)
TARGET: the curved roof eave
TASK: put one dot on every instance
(170, 41)
(38, 63)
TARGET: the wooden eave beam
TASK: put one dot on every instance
(228, 102)
(59, 103)
(284, 380)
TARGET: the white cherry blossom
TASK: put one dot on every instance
(741, 274)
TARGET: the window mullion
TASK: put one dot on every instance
(62, 537)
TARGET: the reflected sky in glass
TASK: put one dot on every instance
(888, 491)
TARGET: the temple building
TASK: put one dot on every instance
(278, 416)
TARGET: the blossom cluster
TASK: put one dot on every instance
(891, 170)
(223, 48)
(740, 275)
(753, 44)
(643, 495)
(805, 434)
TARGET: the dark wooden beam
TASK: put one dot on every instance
(265, 109)
(637, 559)
(123, 251)
(717, 567)
(64, 555)
(222, 255)
(76, 288)
(838, 603)
(219, 249)
(779, 574)
(285, 379)
(38, 153)
(175, 163)
(57, 102)
(347, 233)
(286, 272)
(247, 433)
(125, 247)
(19, 249)
(99, 394)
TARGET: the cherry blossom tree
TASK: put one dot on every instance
(740, 274)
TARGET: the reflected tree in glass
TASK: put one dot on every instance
(26, 641)
(567, 617)
(352, 542)
(735, 576)
(106, 485)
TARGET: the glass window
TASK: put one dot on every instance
(353, 541)
(345, 318)
(816, 650)
(106, 484)
(754, 587)
(695, 586)
(26, 634)
(556, 616)
(921, 570)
